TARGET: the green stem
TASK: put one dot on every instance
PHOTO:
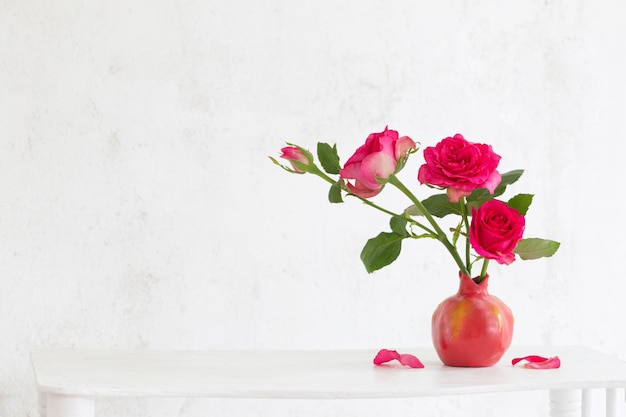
(377, 207)
(483, 271)
(463, 205)
(313, 169)
(439, 233)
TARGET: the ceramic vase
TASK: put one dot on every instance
(472, 328)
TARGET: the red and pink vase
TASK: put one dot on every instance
(472, 328)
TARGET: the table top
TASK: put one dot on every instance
(307, 374)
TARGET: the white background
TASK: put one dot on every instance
(139, 208)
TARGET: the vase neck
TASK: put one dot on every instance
(467, 285)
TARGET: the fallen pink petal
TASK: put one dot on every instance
(539, 362)
(406, 359)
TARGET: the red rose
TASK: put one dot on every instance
(460, 167)
(495, 231)
(376, 159)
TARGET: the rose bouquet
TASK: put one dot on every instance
(467, 175)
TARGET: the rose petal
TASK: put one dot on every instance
(403, 146)
(406, 359)
(385, 355)
(552, 363)
(411, 361)
(376, 165)
(530, 358)
(539, 362)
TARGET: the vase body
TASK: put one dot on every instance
(472, 328)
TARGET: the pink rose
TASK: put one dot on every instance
(377, 158)
(460, 167)
(292, 153)
(495, 231)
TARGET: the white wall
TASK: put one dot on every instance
(138, 206)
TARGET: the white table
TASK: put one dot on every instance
(70, 380)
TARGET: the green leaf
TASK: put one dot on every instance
(534, 248)
(381, 250)
(398, 225)
(507, 179)
(510, 177)
(328, 157)
(482, 195)
(439, 206)
(285, 167)
(334, 194)
(521, 203)
(413, 210)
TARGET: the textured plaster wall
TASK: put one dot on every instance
(138, 206)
